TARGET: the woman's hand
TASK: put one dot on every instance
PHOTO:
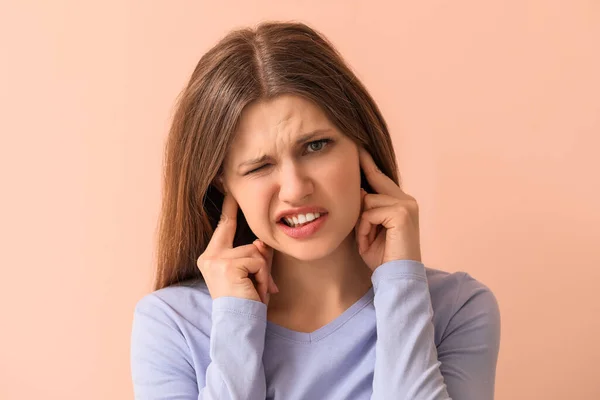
(394, 210)
(228, 271)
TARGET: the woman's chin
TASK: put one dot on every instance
(308, 251)
(315, 248)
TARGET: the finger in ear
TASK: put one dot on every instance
(220, 185)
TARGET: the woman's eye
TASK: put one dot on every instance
(314, 147)
(318, 145)
(255, 170)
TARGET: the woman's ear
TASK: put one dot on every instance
(218, 182)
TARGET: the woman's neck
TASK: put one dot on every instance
(312, 294)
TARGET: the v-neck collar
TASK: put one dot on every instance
(326, 330)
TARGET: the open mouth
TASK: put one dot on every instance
(301, 220)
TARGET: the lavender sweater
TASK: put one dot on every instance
(417, 334)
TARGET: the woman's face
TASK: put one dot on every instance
(291, 170)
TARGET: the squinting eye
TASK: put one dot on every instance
(255, 170)
(315, 147)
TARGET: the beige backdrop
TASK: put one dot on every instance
(495, 111)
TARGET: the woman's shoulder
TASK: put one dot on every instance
(178, 304)
(458, 299)
(443, 284)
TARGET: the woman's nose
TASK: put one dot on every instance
(294, 185)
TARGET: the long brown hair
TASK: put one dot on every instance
(247, 65)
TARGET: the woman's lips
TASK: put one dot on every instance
(300, 210)
(305, 230)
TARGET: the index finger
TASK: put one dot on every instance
(225, 231)
(376, 178)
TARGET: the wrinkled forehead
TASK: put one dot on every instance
(273, 126)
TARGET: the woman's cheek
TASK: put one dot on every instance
(257, 212)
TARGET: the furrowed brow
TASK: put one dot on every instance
(305, 137)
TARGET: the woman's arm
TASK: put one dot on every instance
(162, 363)
(407, 364)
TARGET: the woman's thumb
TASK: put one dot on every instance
(267, 253)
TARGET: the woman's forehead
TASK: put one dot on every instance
(276, 124)
(286, 114)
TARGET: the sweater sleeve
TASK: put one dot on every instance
(162, 362)
(407, 365)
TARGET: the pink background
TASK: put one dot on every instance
(495, 111)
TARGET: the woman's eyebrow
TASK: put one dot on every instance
(309, 135)
(305, 137)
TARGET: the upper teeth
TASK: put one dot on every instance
(302, 218)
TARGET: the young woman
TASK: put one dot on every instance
(289, 263)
